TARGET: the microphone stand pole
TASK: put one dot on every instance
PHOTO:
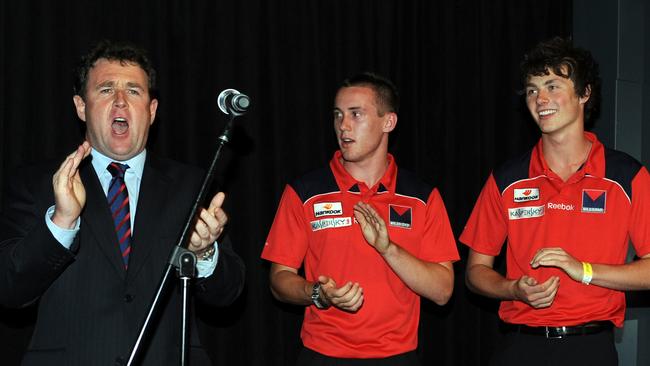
(182, 259)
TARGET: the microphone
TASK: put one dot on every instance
(231, 101)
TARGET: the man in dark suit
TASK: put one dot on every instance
(89, 238)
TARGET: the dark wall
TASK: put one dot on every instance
(618, 35)
(455, 63)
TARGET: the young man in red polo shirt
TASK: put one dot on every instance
(372, 240)
(568, 209)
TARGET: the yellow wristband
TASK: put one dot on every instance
(587, 273)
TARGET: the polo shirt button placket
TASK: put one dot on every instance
(364, 192)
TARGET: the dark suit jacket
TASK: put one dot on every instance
(89, 308)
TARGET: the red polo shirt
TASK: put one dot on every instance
(592, 216)
(315, 224)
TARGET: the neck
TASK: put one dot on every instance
(565, 153)
(368, 170)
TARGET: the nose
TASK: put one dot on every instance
(345, 124)
(542, 98)
(120, 100)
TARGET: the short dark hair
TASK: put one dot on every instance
(385, 90)
(124, 52)
(559, 55)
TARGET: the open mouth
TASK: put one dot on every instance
(120, 126)
(547, 112)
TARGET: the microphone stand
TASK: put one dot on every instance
(183, 260)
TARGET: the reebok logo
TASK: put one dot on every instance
(559, 206)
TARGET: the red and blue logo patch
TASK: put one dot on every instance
(400, 216)
(594, 200)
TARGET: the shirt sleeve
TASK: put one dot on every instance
(441, 244)
(486, 229)
(64, 236)
(205, 268)
(287, 241)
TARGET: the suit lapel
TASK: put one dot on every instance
(96, 218)
(154, 187)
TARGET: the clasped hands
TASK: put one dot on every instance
(541, 295)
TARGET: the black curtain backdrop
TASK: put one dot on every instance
(455, 63)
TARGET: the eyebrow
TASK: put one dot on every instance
(104, 84)
(111, 83)
(335, 109)
(132, 84)
(547, 82)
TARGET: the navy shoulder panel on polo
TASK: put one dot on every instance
(512, 170)
(621, 168)
(408, 184)
(314, 183)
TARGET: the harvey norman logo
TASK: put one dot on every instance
(328, 209)
(525, 212)
(526, 194)
(330, 223)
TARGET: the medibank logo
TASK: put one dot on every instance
(525, 212)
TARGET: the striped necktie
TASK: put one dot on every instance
(118, 200)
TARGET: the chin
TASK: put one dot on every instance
(350, 158)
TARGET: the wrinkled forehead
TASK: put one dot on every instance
(107, 70)
(116, 64)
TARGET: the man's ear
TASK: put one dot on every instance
(587, 95)
(80, 106)
(390, 122)
(153, 107)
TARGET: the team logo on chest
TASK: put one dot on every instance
(526, 194)
(328, 209)
(594, 200)
(400, 216)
